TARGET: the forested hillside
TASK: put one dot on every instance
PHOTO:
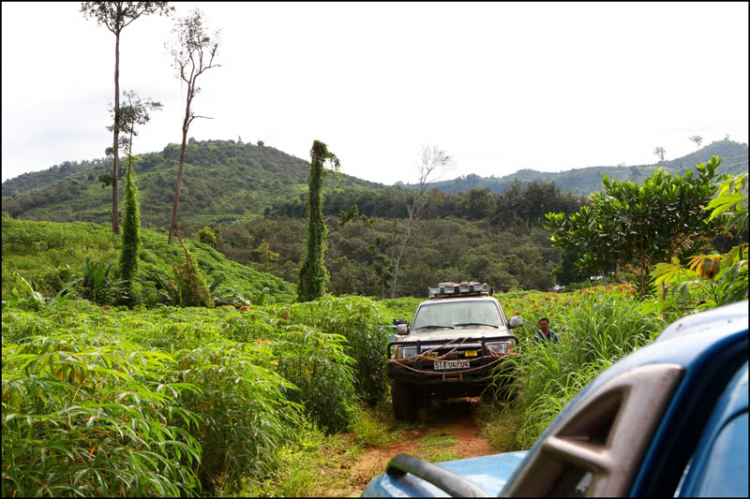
(583, 181)
(223, 180)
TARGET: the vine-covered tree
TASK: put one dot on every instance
(697, 139)
(313, 275)
(131, 238)
(659, 151)
(116, 16)
(194, 292)
(135, 112)
(193, 54)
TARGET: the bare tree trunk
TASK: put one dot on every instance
(617, 273)
(401, 251)
(115, 167)
(173, 223)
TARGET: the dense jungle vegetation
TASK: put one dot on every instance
(253, 198)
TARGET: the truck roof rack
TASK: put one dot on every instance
(453, 289)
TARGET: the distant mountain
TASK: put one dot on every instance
(583, 181)
(223, 180)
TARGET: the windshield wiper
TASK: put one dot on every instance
(477, 324)
(436, 327)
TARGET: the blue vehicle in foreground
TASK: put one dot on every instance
(668, 420)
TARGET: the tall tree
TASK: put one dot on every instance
(193, 53)
(659, 151)
(313, 275)
(697, 139)
(116, 16)
(433, 164)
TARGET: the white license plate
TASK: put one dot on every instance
(451, 364)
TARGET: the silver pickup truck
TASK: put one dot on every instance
(456, 340)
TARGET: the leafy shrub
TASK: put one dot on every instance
(96, 284)
(207, 236)
(226, 295)
(244, 413)
(358, 320)
(317, 365)
(84, 416)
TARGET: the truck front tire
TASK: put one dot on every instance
(405, 400)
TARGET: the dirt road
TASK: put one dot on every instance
(447, 431)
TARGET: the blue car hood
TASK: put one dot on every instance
(488, 472)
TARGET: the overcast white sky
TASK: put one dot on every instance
(498, 86)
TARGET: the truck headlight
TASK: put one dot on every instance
(500, 347)
(405, 352)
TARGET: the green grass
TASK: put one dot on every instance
(311, 466)
(440, 438)
(596, 328)
(373, 430)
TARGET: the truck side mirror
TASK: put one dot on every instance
(515, 322)
(402, 329)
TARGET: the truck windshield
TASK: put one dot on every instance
(457, 314)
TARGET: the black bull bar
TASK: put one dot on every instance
(456, 343)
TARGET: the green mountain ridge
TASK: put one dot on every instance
(583, 181)
(230, 182)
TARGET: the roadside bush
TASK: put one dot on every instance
(316, 363)
(86, 416)
(596, 333)
(358, 320)
(244, 413)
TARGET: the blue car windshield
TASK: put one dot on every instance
(456, 315)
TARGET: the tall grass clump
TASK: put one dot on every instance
(87, 417)
(315, 362)
(359, 320)
(244, 412)
(593, 336)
